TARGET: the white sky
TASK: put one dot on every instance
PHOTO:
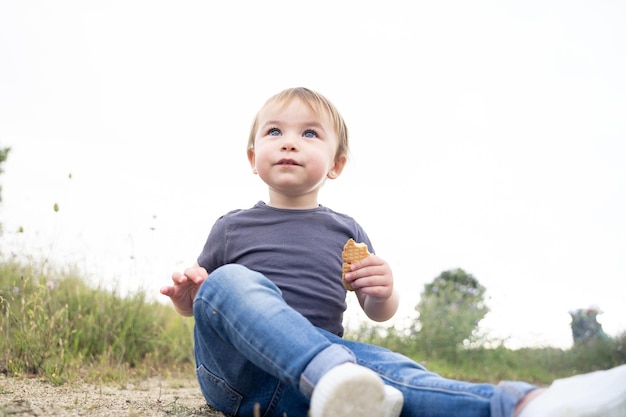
(486, 135)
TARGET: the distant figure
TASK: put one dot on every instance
(585, 326)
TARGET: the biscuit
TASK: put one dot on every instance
(352, 252)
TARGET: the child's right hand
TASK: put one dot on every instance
(185, 287)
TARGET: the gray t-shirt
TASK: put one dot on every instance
(299, 250)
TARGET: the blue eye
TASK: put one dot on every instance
(309, 134)
(273, 132)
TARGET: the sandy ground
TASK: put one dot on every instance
(151, 397)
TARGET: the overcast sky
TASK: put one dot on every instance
(485, 135)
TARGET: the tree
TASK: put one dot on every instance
(449, 311)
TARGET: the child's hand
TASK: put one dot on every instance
(185, 287)
(373, 281)
(372, 276)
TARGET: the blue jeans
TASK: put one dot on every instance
(251, 347)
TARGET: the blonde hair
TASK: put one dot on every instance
(318, 104)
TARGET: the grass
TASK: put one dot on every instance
(56, 326)
(540, 365)
(53, 324)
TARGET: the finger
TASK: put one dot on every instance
(373, 280)
(196, 278)
(179, 278)
(169, 291)
(379, 292)
(193, 273)
(371, 260)
(365, 271)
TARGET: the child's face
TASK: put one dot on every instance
(294, 150)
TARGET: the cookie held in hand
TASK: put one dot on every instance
(352, 252)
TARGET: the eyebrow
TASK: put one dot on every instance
(314, 124)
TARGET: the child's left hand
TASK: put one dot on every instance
(372, 280)
(371, 276)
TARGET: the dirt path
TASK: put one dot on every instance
(151, 397)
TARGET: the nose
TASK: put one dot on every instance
(289, 144)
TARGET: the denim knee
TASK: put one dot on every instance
(234, 280)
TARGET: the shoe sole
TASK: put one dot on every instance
(358, 393)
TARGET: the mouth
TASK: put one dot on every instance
(287, 162)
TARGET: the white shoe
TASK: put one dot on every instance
(597, 394)
(393, 402)
(351, 390)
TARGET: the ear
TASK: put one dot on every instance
(335, 171)
(252, 159)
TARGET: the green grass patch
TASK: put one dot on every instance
(52, 323)
(482, 364)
